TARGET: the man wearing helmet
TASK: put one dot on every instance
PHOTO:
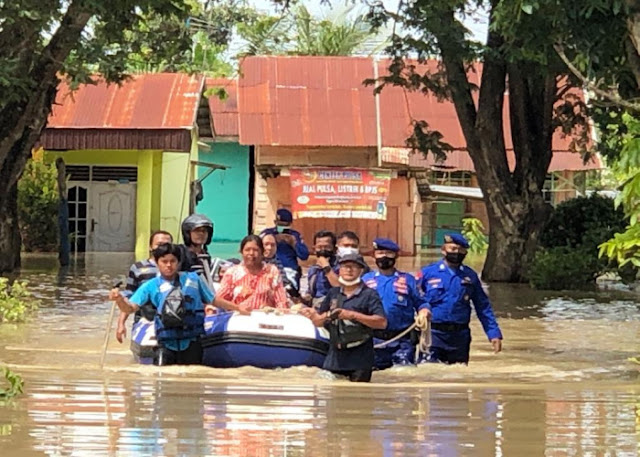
(197, 231)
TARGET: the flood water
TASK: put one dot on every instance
(562, 387)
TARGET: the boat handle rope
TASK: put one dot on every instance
(421, 323)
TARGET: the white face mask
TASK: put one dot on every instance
(344, 282)
(347, 250)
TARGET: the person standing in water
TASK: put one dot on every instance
(179, 299)
(449, 288)
(351, 313)
(401, 299)
(139, 273)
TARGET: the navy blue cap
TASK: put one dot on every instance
(385, 244)
(352, 257)
(284, 215)
(456, 238)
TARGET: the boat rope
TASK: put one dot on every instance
(421, 323)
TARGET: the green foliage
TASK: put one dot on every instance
(38, 206)
(583, 221)
(473, 231)
(561, 268)
(297, 32)
(16, 302)
(14, 385)
(624, 247)
(568, 256)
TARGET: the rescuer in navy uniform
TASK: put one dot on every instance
(449, 288)
(350, 312)
(401, 299)
(291, 246)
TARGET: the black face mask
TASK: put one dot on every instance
(324, 253)
(385, 263)
(454, 258)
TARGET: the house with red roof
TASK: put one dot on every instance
(142, 155)
(311, 112)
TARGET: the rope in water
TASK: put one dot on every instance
(420, 323)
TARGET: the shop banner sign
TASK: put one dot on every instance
(340, 193)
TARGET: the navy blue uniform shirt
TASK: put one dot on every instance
(365, 301)
(287, 254)
(400, 296)
(450, 292)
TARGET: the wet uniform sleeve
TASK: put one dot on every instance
(206, 294)
(418, 301)
(143, 294)
(482, 304)
(421, 290)
(302, 251)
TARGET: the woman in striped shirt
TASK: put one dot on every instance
(253, 283)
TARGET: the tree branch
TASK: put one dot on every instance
(31, 115)
(606, 94)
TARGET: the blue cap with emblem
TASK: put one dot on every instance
(456, 238)
(284, 215)
(385, 244)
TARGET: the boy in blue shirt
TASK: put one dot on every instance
(179, 299)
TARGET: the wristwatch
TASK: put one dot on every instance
(326, 269)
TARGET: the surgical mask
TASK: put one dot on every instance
(344, 282)
(280, 228)
(347, 250)
(324, 253)
(385, 263)
(454, 258)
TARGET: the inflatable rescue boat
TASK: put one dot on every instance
(262, 339)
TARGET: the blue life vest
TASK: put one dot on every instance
(193, 319)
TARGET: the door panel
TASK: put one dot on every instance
(112, 224)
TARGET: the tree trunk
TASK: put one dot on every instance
(22, 121)
(513, 197)
(515, 231)
(9, 231)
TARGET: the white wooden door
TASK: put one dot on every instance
(113, 214)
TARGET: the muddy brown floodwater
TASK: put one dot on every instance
(562, 387)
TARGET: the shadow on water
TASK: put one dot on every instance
(562, 387)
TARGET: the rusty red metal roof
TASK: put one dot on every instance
(148, 111)
(321, 101)
(459, 160)
(224, 113)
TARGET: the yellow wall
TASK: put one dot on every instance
(177, 173)
(149, 185)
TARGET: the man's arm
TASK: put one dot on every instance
(376, 320)
(484, 311)
(318, 317)
(302, 251)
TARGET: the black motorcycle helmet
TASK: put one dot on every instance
(193, 222)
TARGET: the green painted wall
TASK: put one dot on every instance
(226, 192)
